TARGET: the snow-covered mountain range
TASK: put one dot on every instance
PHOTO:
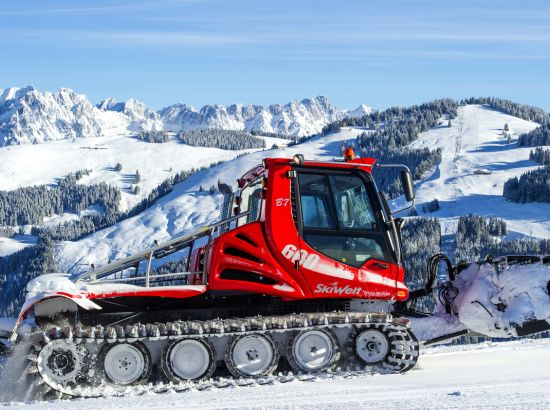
(299, 118)
(139, 116)
(28, 116)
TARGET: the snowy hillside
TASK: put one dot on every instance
(184, 209)
(43, 164)
(475, 141)
(476, 132)
(15, 243)
(490, 375)
(155, 162)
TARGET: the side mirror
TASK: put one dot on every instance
(406, 181)
(408, 185)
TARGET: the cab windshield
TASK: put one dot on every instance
(338, 218)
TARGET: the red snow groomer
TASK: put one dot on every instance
(304, 270)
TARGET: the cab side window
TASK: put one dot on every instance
(315, 201)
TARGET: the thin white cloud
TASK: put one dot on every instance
(360, 35)
(123, 38)
(151, 5)
(416, 54)
(163, 38)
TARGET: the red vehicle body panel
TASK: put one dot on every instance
(294, 269)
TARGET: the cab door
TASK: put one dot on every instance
(280, 227)
(343, 241)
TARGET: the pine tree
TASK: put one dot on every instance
(157, 137)
(224, 139)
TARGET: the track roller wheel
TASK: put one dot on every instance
(188, 359)
(372, 346)
(63, 365)
(252, 355)
(312, 351)
(126, 363)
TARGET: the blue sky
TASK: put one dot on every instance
(382, 53)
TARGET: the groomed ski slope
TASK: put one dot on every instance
(475, 141)
(508, 375)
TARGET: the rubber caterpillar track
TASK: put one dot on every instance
(74, 361)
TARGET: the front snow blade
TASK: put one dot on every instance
(506, 297)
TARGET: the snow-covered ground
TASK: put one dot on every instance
(509, 375)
